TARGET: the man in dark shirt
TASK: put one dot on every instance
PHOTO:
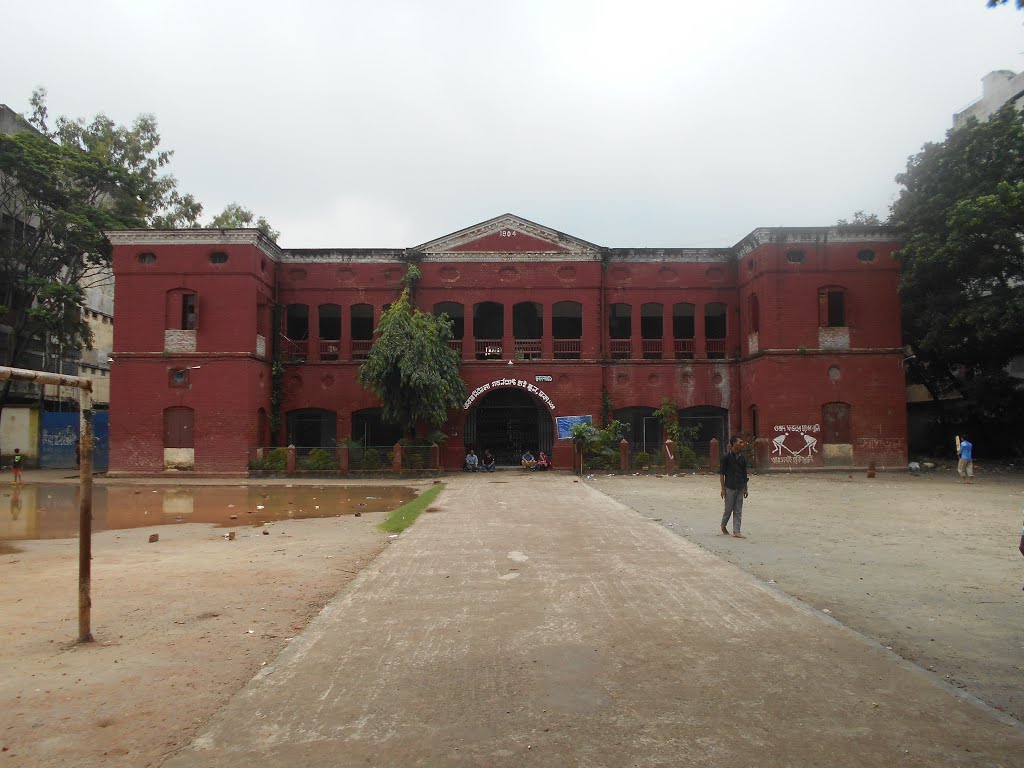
(732, 471)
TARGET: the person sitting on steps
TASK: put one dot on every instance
(472, 462)
(543, 462)
(488, 462)
(528, 461)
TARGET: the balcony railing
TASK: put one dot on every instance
(527, 349)
(488, 349)
(715, 348)
(684, 349)
(620, 349)
(567, 349)
(361, 348)
(651, 349)
(455, 344)
(330, 349)
(294, 350)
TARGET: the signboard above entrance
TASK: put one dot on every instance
(497, 383)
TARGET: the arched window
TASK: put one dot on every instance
(715, 330)
(567, 329)
(652, 328)
(456, 313)
(683, 328)
(329, 316)
(488, 329)
(361, 326)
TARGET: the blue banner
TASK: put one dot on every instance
(566, 423)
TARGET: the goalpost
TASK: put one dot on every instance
(84, 482)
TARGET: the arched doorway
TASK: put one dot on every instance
(311, 428)
(508, 421)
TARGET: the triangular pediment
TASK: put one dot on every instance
(509, 235)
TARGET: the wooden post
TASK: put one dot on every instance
(85, 517)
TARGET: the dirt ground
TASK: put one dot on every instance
(922, 564)
(180, 625)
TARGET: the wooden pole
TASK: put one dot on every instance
(84, 483)
(85, 517)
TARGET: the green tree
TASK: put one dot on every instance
(860, 218)
(51, 237)
(234, 215)
(962, 210)
(410, 367)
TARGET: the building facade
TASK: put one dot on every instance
(793, 335)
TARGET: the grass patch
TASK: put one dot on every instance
(400, 519)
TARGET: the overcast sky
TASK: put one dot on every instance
(647, 123)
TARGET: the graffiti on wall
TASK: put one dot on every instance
(795, 443)
(880, 445)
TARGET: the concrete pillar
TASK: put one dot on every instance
(624, 455)
(508, 344)
(313, 351)
(714, 456)
(290, 466)
(435, 457)
(547, 339)
(636, 348)
(396, 464)
(762, 452)
(468, 336)
(342, 454)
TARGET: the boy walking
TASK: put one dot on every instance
(965, 467)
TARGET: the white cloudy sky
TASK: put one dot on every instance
(644, 123)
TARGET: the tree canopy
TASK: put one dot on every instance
(860, 218)
(962, 279)
(410, 367)
(235, 215)
(60, 189)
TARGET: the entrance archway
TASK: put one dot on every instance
(508, 421)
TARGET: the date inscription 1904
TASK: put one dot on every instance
(507, 233)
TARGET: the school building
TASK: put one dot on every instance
(792, 334)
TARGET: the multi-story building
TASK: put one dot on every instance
(793, 335)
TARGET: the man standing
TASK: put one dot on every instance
(732, 471)
(965, 467)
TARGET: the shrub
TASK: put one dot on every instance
(642, 459)
(687, 458)
(319, 459)
(274, 460)
(371, 459)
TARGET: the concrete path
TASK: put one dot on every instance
(531, 621)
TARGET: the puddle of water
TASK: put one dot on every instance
(50, 511)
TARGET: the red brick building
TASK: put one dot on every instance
(792, 334)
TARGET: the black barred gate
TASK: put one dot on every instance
(508, 421)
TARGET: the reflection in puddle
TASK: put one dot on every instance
(44, 511)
